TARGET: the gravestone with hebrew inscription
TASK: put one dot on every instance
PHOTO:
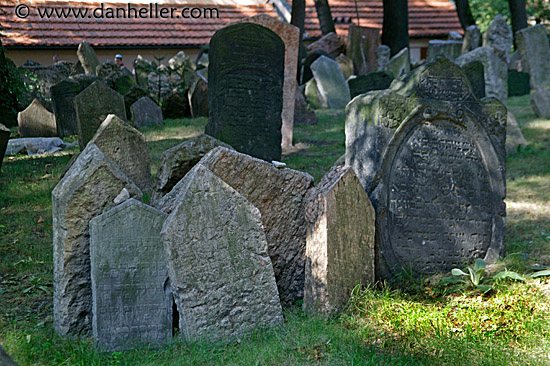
(92, 106)
(245, 89)
(432, 157)
(220, 271)
(86, 191)
(132, 298)
(63, 94)
(340, 241)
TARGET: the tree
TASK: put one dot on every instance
(325, 16)
(298, 19)
(518, 14)
(395, 27)
(464, 13)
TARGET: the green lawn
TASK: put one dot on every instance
(410, 322)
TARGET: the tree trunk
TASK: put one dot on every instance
(518, 11)
(464, 13)
(395, 28)
(298, 19)
(325, 17)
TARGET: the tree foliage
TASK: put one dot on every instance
(484, 11)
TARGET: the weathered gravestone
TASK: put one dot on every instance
(142, 69)
(330, 43)
(290, 35)
(63, 95)
(126, 147)
(92, 106)
(306, 73)
(499, 37)
(134, 94)
(331, 83)
(245, 91)
(4, 137)
(340, 241)
(400, 63)
(36, 121)
(313, 95)
(472, 39)
(372, 81)
(198, 97)
(383, 53)
(475, 73)
(518, 83)
(178, 160)
(86, 191)
(514, 137)
(145, 113)
(495, 71)
(432, 159)
(450, 49)
(5, 359)
(219, 268)
(132, 298)
(534, 53)
(540, 102)
(362, 45)
(87, 57)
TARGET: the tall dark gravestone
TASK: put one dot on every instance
(245, 91)
(431, 157)
(63, 94)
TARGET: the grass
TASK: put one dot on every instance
(411, 322)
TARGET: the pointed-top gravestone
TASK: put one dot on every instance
(400, 63)
(219, 268)
(362, 45)
(146, 113)
(431, 157)
(499, 37)
(245, 89)
(126, 147)
(87, 190)
(87, 57)
(534, 53)
(4, 137)
(330, 81)
(36, 121)
(63, 94)
(132, 299)
(92, 106)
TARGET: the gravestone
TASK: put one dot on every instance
(400, 63)
(245, 91)
(362, 45)
(84, 80)
(472, 39)
(346, 65)
(534, 53)
(499, 37)
(126, 147)
(495, 71)
(4, 137)
(311, 57)
(302, 114)
(313, 95)
(219, 268)
(290, 35)
(36, 121)
(5, 359)
(514, 137)
(198, 97)
(383, 53)
(454, 36)
(372, 81)
(432, 160)
(77, 69)
(87, 57)
(87, 190)
(134, 94)
(475, 73)
(332, 85)
(330, 43)
(146, 113)
(518, 83)
(132, 298)
(540, 102)
(92, 106)
(142, 69)
(450, 49)
(178, 160)
(340, 241)
(63, 95)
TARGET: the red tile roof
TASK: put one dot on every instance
(427, 18)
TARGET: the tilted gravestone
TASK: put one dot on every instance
(86, 191)
(290, 35)
(330, 81)
(534, 53)
(514, 137)
(36, 121)
(145, 113)
(472, 39)
(450, 49)
(495, 71)
(340, 241)
(126, 147)
(221, 275)
(372, 81)
(87, 57)
(92, 106)
(132, 298)
(432, 159)
(499, 37)
(362, 45)
(475, 73)
(63, 94)
(245, 89)
(400, 63)
(518, 83)
(540, 102)
(4, 137)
